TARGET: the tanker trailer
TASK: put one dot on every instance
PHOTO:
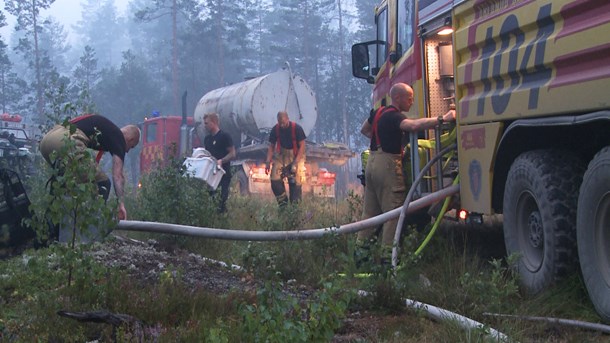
(248, 111)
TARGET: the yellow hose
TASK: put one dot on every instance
(437, 222)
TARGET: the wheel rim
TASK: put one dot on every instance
(602, 236)
(530, 232)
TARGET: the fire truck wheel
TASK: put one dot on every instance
(593, 231)
(242, 182)
(540, 215)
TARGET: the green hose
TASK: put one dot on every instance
(438, 220)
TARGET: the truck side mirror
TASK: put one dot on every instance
(361, 61)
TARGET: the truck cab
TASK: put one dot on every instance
(162, 140)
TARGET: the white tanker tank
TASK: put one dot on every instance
(249, 109)
(248, 112)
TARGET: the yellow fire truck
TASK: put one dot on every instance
(530, 81)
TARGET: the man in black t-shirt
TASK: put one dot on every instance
(287, 151)
(385, 188)
(96, 132)
(220, 145)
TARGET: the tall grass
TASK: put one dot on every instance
(453, 272)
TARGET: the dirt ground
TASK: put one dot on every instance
(145, 261)
(148, 260)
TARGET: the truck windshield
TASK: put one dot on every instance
(151, 132)
(382, 35)
(18, 133)
(406, 23)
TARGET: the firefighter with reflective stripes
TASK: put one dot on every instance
(287, 152)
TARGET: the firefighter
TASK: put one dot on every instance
(220, 145)
(287, 152)
(385, 187)
(94, 131)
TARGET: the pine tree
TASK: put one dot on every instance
(295, 34)
(102, 29)
(228, 23)
(53, 40)
(258, 32)
(127, 94)
(85, 77)
(12, 88)
(27, 13)
(168, 9)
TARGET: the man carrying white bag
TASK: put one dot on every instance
(213, 164)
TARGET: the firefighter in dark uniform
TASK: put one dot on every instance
(385, 187)
(286, 159)
(96, 132)
(220, 145)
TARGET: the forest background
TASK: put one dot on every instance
(127, 64)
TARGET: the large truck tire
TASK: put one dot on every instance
(540, 216)
(593, 231)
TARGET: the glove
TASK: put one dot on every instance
(267, 167)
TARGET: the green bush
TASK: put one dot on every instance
(34, 289)
(280, 317)
(166, 195)
(489, 290)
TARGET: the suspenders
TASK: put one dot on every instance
(294, 137)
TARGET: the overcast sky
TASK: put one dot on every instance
(67, 12)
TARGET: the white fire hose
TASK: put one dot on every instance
(298, 234)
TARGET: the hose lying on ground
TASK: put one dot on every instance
(464, 322)
(299, 234)
(440, 314)
(571, 322)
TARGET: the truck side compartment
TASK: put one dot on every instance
(524, 60)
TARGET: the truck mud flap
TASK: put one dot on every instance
(14, 206)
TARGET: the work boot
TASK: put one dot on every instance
(103, 189)
(295, 193)
(362, 254)
(277, 186)
(385, 266)
(282, 200)
(222, 209)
